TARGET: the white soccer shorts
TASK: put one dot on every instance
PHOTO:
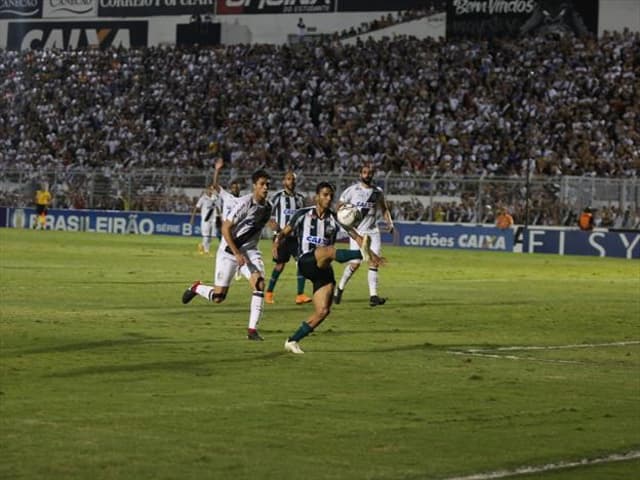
(376, 242)
(227, 265)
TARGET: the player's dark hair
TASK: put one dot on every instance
(322, 185)
(258, 174)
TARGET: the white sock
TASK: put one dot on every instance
(372, 277)
(346, 275)
(204, 291)
(257, 303)
(206, 243)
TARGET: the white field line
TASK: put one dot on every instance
(526, 470)
(469, 353)
(494, 352)
(556, 347)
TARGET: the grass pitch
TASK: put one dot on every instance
(479, 362)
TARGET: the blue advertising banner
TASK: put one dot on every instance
(20, 8)
(105, 221)
(451, 236)
(577, 242)
(408, 234)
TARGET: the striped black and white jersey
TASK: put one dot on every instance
(248, 219)
(368, 200)
(313, 231)
(284, 205)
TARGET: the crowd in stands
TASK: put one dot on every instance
(548, 105)
(430, 7)
(541, 212)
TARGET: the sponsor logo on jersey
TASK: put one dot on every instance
(316, 240)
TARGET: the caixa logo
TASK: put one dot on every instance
(63, 35)
(316, 240)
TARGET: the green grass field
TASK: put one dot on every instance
(104, 374)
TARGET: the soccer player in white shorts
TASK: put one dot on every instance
(369, 199)
(207, 206)
(239, 250)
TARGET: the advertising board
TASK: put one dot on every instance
(559, 241)
(497, 18)
(20, 9)
(74, 35)
(577, 242)
(151, 8)
(240, 7)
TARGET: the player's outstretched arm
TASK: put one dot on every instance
(216, 174)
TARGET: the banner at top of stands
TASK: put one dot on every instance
(516, 18)
(151, 8)
(21, 9)
(73, 35)
(240, 7)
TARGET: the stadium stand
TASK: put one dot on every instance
(553, 106)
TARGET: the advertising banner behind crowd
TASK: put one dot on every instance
(239, 7)
(69, 8)
(577, 242)
(151, 8)
(379, 5)
(20, 8)
(73, 35)
(515, 18)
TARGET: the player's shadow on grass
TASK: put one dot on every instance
(208, 308)
(130, 282)
(73, 347)
(187, 367)
(390, 349)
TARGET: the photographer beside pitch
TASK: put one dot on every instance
(370, 200)
(316, 228)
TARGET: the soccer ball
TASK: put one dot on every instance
(348, 215)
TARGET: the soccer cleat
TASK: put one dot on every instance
(293, 347)
(302, 298)
(190, 292)
(268, 298)
(254, 335)
(375, 300)
(200, 249)
(365, 248)
(337, 296)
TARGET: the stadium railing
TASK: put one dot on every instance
(467, 199)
